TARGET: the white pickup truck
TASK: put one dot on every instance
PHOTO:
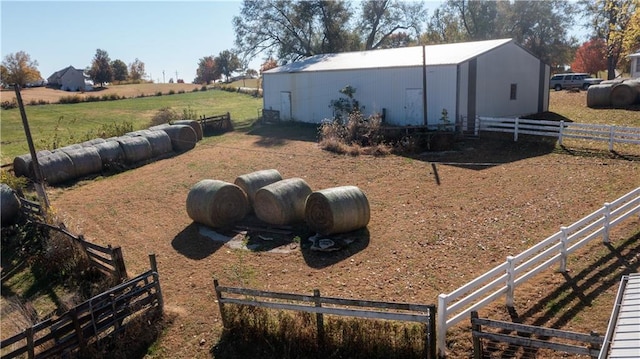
(572, 81)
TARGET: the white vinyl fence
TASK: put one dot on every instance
(559, 129)
(503, 279)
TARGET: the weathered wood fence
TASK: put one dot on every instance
(503, 333)
(317, 304)
(216, 124)
(503, 279)
(559, 129)
(104, 314)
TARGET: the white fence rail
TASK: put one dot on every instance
(504, 278)
(559, 129)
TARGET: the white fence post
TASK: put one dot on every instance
(606, 224)
(510, 280)
(561, 132)
(441, 331)
(612, 131)
(476, 126)
(563, 249)
(515, 130)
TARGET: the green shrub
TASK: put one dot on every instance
(195, 89)
(70, 99)
(159, 93)
(164, 115)
(171, 92)
(8, 105)
(92, 98)
(181, 91)
(203, 88)
(356, 136)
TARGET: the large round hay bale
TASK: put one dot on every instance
(624, 94)
(337, 210)
(9, 205)
(135, 149)
(92, 142)
(110, 152)
(23, 165)
(57, 167)
(183, 137)
(599, 95)
(159, 141)
(282, 202)
(216, 203)
(197, 127)
(74, 146)
(252, 182)
(85, 160)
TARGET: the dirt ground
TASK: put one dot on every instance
(494, 198)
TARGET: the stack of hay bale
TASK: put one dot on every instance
(278, 201)
(614, 93)
(91, 157)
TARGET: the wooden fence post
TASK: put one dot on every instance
(154, 267)
(76, 323)
(319, 318)
(477, 345)
(30, 347)
(431, 333)
(607, 222)
(220, 304)
(510, 280)
(564, 239)
(118, 263)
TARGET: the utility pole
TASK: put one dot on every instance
(39, 183)
(163, 80)
(176, 75)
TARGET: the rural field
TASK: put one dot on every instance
(494, 198)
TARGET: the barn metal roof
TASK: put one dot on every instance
(623, 335)
(444, 54)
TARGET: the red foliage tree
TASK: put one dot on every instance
(591, 57)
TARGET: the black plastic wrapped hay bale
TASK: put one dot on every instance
(57, 167)
(110, 153)
(135, 149)
(183, 137)
(197, 127)
(252, 182)
(337, 210)
(86, 160)
(23, 165)
(159, 141)
(90, 143)
(599, 95)
(625, 94)
(9, 205)
(282, 202)
(216, 203)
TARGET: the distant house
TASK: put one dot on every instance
(70, 79)
(635, 65)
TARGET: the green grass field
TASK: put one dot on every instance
(74, 123)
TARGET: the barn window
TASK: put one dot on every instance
(638, 64)
(514, 92)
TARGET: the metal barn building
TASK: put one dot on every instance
(496, 78)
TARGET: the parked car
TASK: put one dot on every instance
(572, 81)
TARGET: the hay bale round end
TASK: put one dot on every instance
(216, 203)
(282, 202)
(135, 149)
(9, 205)
(110, 152)
(599, 95)
(195, 125)
(624, 94)
(183, 137)
(23, 165)
(337, 210)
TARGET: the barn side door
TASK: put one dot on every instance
(413, 107)
(285, 106)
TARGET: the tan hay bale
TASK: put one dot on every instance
(159, 141)
(135, 149)
(183, 137)
(282, 202)
(216, 203)
(110, 152)
(57, 167)
(23, 165)
(197, 127)
(85, 160)
(9, 205)
(92, 142)
(625, 94)
(599, 95)
(337, 210)
(252, 182)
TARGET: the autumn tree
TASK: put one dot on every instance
(207, 71)
(609, 20)
(590, 57)
(136, 70)
(19, 69)
(228, 62)
(386, 22)
(120, 71)
(100, 71)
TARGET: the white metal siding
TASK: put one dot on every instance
(441, 93)
(626, 338)
(497, 70)
(463, 84)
